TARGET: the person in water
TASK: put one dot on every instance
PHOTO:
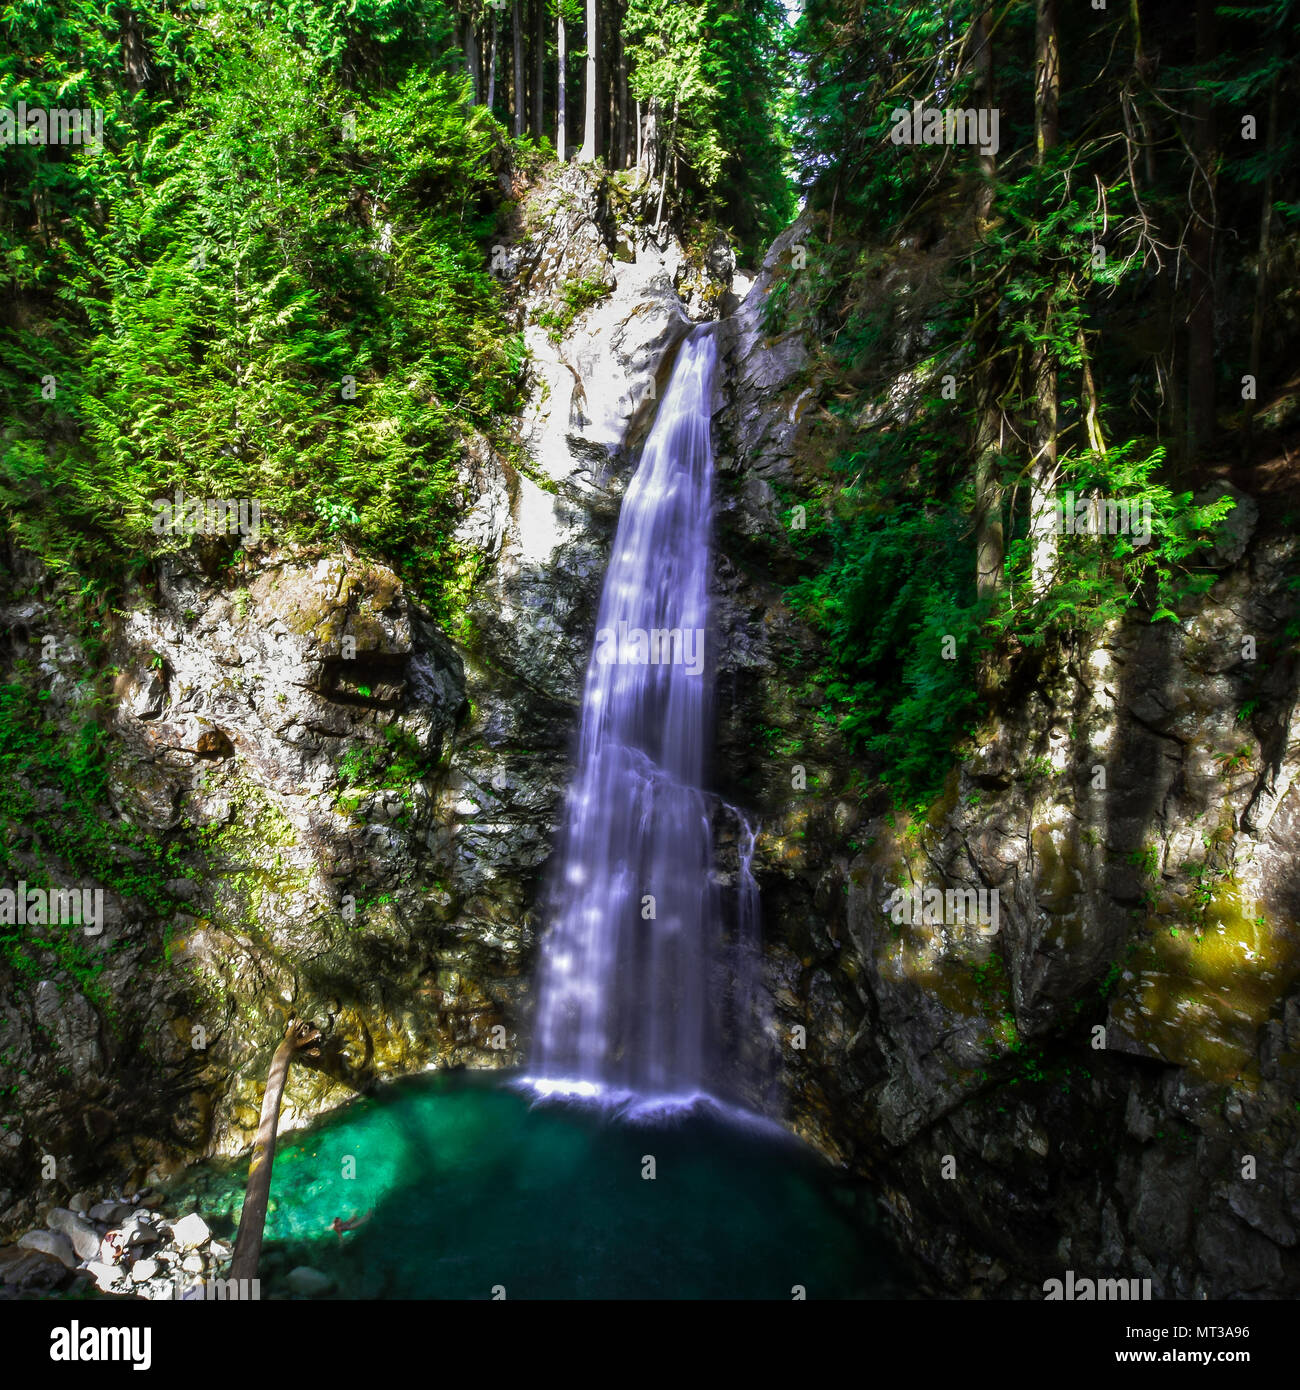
(338, 1225)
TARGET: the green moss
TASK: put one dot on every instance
(575, 296)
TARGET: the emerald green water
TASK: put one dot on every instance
(472, 1189)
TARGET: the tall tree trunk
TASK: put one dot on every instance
(252, 1220)
(650, 140)
(1200, 249)
(562, 52)
(621, 153)
(591, 131)
(663, 177)
(990, 541)
(471, 61)
(1261, 264)
(492, 67)
(1043, 468)
(518, 35)
(539, 67)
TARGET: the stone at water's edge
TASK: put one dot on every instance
(307, 1282)
(50, 1243)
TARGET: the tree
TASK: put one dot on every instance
(1200, 243)
(470, 45)
(299, 1037)
(561, 57)
(492, 62)
(517, 33)
(1043, 465)
(591, 127)
(539, 66)
(990, 382)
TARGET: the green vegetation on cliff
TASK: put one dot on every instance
(1076, 301)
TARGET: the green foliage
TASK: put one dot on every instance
(250, 304)
(898, 585)
(574, 296)
(55, 820)
(918, 267)
(717, 74)
(1099, 578)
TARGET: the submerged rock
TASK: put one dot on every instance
(307, 1282)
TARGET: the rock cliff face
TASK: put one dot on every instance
(1107, 1080)
(361, 804)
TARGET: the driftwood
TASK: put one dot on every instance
(300, 1037)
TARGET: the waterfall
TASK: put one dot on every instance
(629, 994)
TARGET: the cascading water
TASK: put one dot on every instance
(628, 995)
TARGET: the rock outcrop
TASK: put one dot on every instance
(1106, 1080)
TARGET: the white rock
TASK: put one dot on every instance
(190, 1231)
(143, 1270)
(192, 1264)
(105, 1276)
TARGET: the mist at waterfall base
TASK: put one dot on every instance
(646, 983)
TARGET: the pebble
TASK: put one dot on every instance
(118, 1245)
